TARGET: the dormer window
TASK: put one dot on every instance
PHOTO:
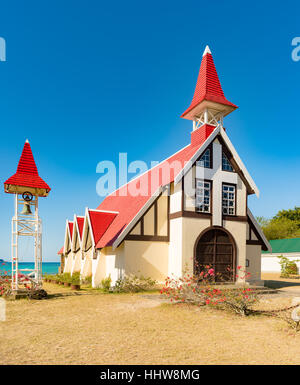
(205, 160)
(226, 165)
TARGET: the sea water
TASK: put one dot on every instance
(47, 267)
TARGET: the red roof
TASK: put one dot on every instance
(208, 85)
(100, 221)
(61, 251)
(27, 173)
(128, 206)
(80, 223)
(70, 224)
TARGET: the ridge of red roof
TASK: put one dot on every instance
(208, 86)
(27, 173)
(100, 221)
(128, 206)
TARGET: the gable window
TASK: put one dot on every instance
(226, 165)
(205, 160)
(228, 199)
(203, 192)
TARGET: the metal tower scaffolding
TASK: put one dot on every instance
(26, 223)
(27, 186)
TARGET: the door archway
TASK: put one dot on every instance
(216, 247)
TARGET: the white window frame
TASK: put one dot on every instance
(228, 196)
(202, 199)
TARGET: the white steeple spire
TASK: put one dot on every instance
(207, 50)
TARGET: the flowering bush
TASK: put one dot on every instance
(5, 283)
(5, 286)
(201, 290)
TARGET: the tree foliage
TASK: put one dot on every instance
(291, 214)
(285, 224)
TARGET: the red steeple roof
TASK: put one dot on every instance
(208, 85)
(27, 174)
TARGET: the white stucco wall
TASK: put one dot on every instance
(76, 261)
(86, 264)
(253, 254)
(270, 262)
(68, 263)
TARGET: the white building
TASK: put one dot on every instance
(189, 210)
(289, 248)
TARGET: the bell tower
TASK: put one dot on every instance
(209, 105)
(27, 186)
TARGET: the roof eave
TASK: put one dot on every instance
(259, 230)
(193, 111)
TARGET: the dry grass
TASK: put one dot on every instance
(131, 329)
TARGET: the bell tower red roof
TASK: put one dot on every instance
(208, 89)
(27, 176)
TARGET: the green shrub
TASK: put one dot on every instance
(87, 280)
(133, 284)
(75, 279)
(66, 277)
(106, 283)
(288, 267)
(56, 277)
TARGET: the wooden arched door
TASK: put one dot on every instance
(215, 247)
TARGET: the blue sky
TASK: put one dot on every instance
(85, 80)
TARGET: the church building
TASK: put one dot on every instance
(192, 212)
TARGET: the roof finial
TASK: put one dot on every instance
(207, 50)
(26, 141)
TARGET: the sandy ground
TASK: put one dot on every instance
(285, 286)
(83, 328)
